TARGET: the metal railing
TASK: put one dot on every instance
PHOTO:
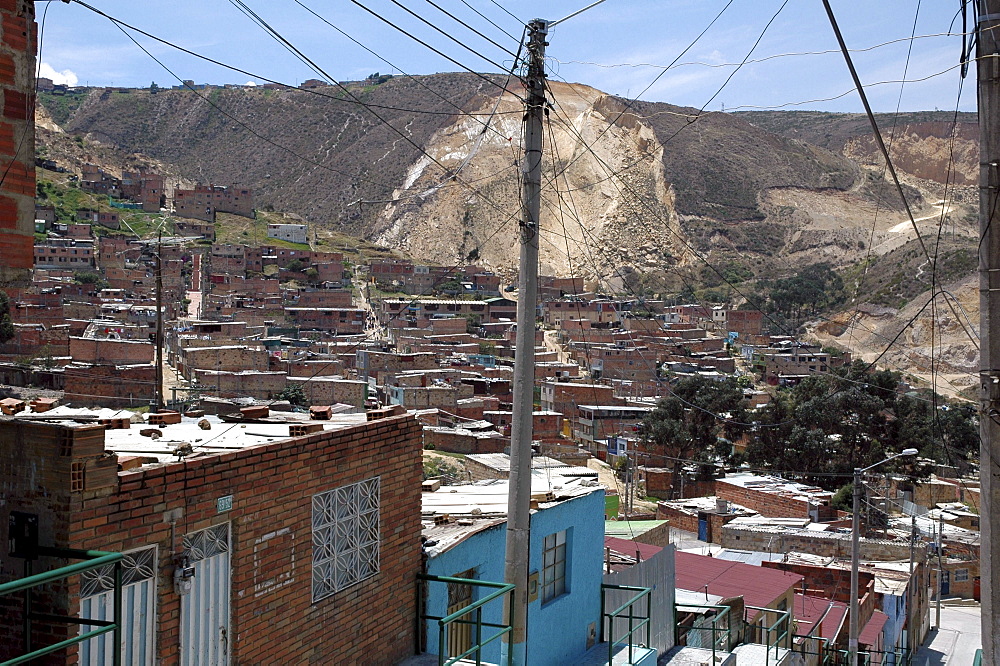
(619, 613)
(902, 656)
(95, 559)
(779, 629)
(722, 613)
(456, 618)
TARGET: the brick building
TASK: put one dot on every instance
(105, 219)
(290, 551)
(195, 229)
(146, 188)
(775, 497)
(17, 140)
(204, 201)
(110, 385)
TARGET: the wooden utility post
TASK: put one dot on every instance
(519, 495)
(988, 72)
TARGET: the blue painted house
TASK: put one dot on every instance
(566, 559)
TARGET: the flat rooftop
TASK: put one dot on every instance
(219, 437)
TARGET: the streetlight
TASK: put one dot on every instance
(852, 644)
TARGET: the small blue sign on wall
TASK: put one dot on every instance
(224, 504)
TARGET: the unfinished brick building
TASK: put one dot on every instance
(204, 201)
(280, 552)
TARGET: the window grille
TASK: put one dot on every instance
(345, 529)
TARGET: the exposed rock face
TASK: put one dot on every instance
(585, 211)
(935, 151)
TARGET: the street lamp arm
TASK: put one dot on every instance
(904, 452)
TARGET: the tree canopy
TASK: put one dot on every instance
(6, 323)
(817, 431)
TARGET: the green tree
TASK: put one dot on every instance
(697, 421)
(6, 323)
(153, 88)
(294, 394)
(853, 417)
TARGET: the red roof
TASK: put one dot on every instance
(758, 586)
(628, 547)
(810, 610)
(869, 635)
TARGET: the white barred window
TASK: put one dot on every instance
(345, 530)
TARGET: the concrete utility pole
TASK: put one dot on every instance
(988, 70)
(158, 400)
(519, 496)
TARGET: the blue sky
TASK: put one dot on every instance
(620, 46)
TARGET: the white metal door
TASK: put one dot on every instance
(138, 610)
(205, 609)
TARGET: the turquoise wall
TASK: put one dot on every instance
(558, 630)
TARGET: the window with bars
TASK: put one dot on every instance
(553, 566)
(345, 531)
(961, 575)
(139, 569)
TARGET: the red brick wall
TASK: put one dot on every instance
(371, 622)
(110, 385)
(17, 140)
(772, 505)
(457, 442)
(126, 352)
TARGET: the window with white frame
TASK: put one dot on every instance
(345, 531)
(961, 575)
(553, 566)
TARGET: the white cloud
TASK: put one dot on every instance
(66, 77)
(251, 84)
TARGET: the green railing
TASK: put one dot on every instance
(779, 629)
(458, 618)
(867, 657)
(722, 613)
(95, 559)
(619, 613)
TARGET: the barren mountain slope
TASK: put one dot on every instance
(614, 194)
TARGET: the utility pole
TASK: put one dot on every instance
(937, 612)
(855, 625)
(514, 644)
(988, 72)
(158, 398)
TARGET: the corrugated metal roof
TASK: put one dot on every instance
(758, 586)
(629, 547)
(808, 610)
(869, 635)
(747, 556)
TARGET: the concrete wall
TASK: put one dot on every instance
(817, 543)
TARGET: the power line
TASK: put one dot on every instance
(238, 70)
(440, 53)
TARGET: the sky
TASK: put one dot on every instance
(648, 49)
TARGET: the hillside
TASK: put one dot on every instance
(322, 157)
(647, 197)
